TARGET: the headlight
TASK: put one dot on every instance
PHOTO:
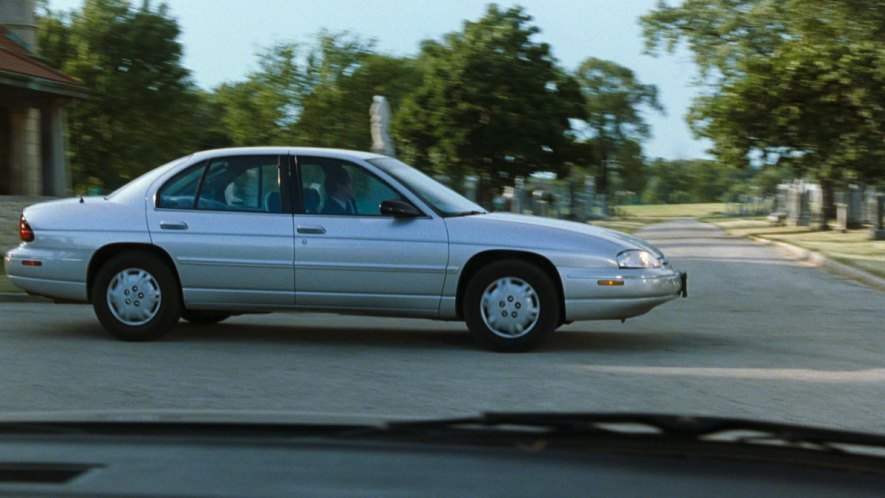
(636, 258)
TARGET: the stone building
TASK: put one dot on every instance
(33, 101)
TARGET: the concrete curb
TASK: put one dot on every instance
(818, 259)
(21, 297)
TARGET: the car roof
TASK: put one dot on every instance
(312, 151)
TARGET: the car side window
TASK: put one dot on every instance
(241, 183)
(181, 190)
(335, 187)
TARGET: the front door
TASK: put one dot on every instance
(350, 256)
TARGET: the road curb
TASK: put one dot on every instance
(818, 259)
(21, 297)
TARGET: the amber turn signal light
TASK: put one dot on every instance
(610, 283)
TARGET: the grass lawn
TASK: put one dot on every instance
(853, 247)
(666, 211)
(631, 218)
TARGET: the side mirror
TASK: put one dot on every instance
(399, 209)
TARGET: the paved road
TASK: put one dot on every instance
(760, 336)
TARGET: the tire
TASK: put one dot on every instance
(119, 288)
(204, 317)
(525, 296)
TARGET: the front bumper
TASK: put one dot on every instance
(587, 297)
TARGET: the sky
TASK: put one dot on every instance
(221, 38)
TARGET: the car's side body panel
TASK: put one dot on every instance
(228, 258)
(581, 261)
(70, 231)
(367, 262)
(377, 264)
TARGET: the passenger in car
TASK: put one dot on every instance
(311, 200)
(339, 192)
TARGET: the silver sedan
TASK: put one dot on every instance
(247, 230)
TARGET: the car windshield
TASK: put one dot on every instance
(444, 200)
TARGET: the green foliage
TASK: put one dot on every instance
(699, 180)
(141, 109)
(488, 100)
(614, 100)
(317, 94)
(630, 166)
(767, 179)
(336, 114)
(492, 103)
(264, 109)
(792, 82)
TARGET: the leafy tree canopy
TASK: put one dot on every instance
(141, 110)
(492, 102)
(793, 82)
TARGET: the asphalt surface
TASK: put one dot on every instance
(761, 336)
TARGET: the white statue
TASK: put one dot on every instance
(380, 115)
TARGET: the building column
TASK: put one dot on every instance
(25, 169)
(56, 177)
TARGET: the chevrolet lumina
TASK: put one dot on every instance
(246, 230)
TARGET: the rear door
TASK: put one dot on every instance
(228, 226)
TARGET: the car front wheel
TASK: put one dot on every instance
(136, 297)
(511, 306)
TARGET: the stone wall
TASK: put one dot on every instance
(10, 210)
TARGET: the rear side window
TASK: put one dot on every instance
(181, 190)
(242, 183)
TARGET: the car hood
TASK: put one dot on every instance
(492, 223)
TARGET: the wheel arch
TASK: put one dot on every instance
(477, 261)
(105, 253)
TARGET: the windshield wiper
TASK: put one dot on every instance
(649, 428)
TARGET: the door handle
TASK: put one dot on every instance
(173, 225)
(314, 230)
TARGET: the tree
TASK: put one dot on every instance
(141, 109)
(697, 180)
(264, 109)
(788, 82)
(614, 100)
(631, 166)
(337, 114)
(307, 93)
(492, 103)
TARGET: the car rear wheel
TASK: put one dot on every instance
(511, 306)
(204, 317)
(136, 297)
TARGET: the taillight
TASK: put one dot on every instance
(24, 230)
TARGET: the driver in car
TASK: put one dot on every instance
(339, 193)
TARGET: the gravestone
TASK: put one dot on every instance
(878, 230)
(854, 203)
(470, 186)
(518, 195)
(589, 197)
(870, 207)
(798, 212)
